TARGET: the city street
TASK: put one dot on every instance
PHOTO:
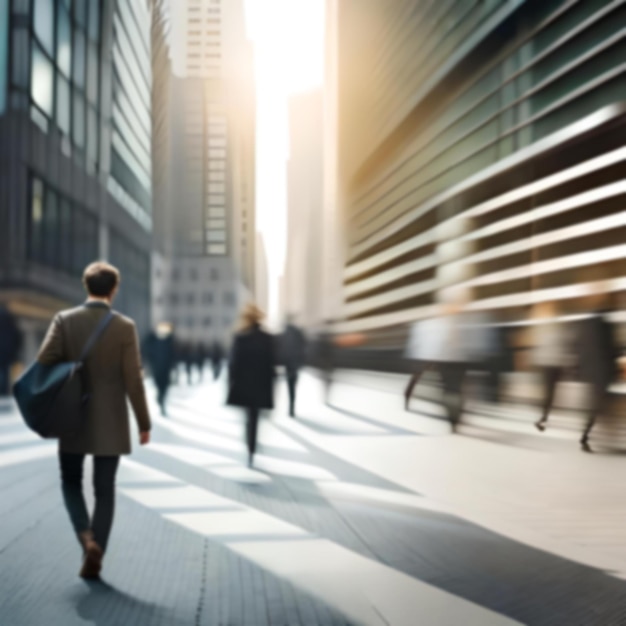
(355, 513)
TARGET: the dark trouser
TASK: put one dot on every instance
(252, 426)
(551, 377)
(5, 379)
(292, 381)
(162, 387)
(217, 368)
(415, 378)
(453, 377)
(327, 378)
(598, 403)
(105, 468)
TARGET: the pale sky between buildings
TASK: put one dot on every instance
(288, 38)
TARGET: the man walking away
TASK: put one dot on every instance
(251, 372)
(293, 352)
(113, 372)
(161, 355)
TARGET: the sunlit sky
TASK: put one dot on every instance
(288, 37)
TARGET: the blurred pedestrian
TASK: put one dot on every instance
(113, 369)
(187, 358)
(251, 372)
(549, 354)
(200, 359)
(445, 346)
(292, 348)
(161, 356)
(217, 358)
(598, 352)
(326, 356)
(10, 344)
(414, 352)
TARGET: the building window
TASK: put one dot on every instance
(214, 274)
(191, 299)
(207, 298)
(44, 23)
(61, 236)
(64, 41)
(193, 274)
(174, 299)
(42, 81)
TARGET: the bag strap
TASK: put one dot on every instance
(95, 335)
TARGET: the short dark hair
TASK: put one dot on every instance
(100, 279)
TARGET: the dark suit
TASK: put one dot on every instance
(598, 352)
(292, 353)
(161, 354)
(251, 377)
(113, 369)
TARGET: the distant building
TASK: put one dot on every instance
(75, 158)
(302, 285)
(205, 225)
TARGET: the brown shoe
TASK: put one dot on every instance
(92, 563)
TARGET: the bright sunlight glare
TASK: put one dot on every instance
(288, 38)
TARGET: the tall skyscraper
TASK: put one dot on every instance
(75, 171)
(206, 216)
(479, 152)
(302, 288)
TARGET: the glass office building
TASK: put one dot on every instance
(480, 149)
(75, 164)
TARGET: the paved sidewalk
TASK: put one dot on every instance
(354, 514)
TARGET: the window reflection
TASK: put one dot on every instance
(78, 119)
(78, 59)
(64, 41)
(63, 105)
(43, 21)
(42, 78)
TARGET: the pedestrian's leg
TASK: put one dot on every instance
(105, 469)
(292, 380)
(328, 381)
(408, 392)
(551, 376)
(251, 432)
(161, 397)
(453, 376)
(597, 404)
(72, 488)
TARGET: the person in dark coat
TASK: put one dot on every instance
(161, 356)
(187, 357)
(251, 373)
(217, 357)
(10, 344)
(114, 370)
(292, 346)
(598, 352)
(200, 356)
(326, 358)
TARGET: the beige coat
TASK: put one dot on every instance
(113, 368)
